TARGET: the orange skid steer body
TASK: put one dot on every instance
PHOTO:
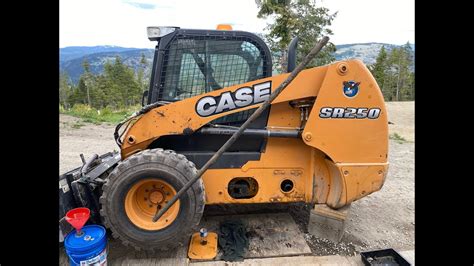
(340, 155)
(323, 139)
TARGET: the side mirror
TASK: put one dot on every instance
(145, 94)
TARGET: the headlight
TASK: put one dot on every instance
(155, 33)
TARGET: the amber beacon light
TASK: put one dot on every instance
(224, 27)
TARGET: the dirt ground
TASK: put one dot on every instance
(402, 115)
(384, 219)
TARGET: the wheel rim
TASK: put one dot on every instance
(143, 199)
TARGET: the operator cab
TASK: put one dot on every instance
(191, 62)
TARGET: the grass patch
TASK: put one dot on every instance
(77, 125)
(104, 115)
(399, 139)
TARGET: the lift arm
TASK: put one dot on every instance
(239, 132)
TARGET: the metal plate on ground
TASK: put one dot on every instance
(206, 250)
(270, 235)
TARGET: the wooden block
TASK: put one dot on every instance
(328, 223)
(324, 210)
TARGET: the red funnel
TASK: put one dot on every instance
(78, 217)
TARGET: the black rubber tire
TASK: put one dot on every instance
(169, 166)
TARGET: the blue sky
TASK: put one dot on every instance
(124, 22)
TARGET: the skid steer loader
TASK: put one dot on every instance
(218, 128)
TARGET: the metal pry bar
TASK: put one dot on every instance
(316, 49)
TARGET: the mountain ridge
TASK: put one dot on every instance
(71, 57)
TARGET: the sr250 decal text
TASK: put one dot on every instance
(349, 113)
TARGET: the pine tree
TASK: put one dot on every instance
(86, 79)
(297, 18)
(81, 91)
(65, 90)
(407, 85)
(100, 92)
(120, 84)
(378, 69)
(401, 61)
(117, 87)
(111, 90)
(141, 74)
(393, 72)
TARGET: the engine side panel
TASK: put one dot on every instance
(283, 159)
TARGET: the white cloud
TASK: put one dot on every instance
(115, 22)
(386, 21)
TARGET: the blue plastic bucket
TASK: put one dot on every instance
(88, 249)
